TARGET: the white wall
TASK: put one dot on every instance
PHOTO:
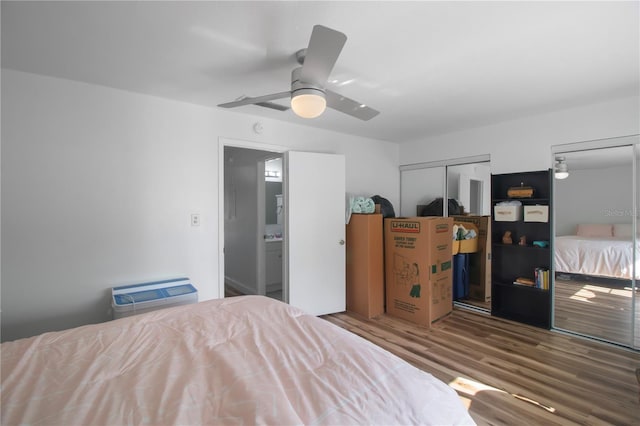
(593, 196)
(98, 186)
(525, 144)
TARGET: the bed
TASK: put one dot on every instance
(240, 360)
(597, 250)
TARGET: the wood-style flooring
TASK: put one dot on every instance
(599, 308)
(512, 374)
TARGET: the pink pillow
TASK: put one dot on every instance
(599, 230)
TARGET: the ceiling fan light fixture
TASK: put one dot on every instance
(561, 171)
(308, 103)
(309, 95)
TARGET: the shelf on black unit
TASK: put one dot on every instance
(519, 247)
(519, 222)
(541, 201)
(523, 287)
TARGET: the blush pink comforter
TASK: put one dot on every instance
(243, 360)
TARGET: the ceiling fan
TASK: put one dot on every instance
(309, 96)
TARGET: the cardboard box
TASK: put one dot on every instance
(365, 265)
(455, 246)
(536, 213)
(480, 261)
(507, 213)
(418, 260)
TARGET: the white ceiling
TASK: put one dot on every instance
(428, 67)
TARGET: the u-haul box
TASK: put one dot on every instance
(418, 274)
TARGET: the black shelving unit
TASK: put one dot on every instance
(525, 304)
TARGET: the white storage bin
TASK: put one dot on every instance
(507, 213)
(140, 298)
(536, 213)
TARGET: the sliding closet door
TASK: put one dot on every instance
(593, 247)
(636, 245)
(468, 182)
(420, 187)
(470, 185)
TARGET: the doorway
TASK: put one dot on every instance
(313, 251)
(476, 188)
(253, 227)
(272, 203)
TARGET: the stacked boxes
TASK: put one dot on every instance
(419, 277)
(480, 261)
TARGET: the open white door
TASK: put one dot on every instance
(314, 247)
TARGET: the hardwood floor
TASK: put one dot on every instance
(599, 308)
(512, 374)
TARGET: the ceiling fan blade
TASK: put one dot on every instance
(349, 106)
(273, 105)
(256, 100)
(324, 48)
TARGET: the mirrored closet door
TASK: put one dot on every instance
(466, 185)
(419, 187)
(596, 246)
(636, 229)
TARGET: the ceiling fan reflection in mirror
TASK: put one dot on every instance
(309, 96)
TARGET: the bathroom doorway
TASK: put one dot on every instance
(271, 244)
(253, 261)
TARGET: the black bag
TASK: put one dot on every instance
(386, 208)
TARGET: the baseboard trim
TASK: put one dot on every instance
(238, 286)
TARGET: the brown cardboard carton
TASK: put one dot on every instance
(480, 261)
(419, 278)
(365, 265)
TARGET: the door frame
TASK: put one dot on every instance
(261, 258)
(238, 143)
(260, 214)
